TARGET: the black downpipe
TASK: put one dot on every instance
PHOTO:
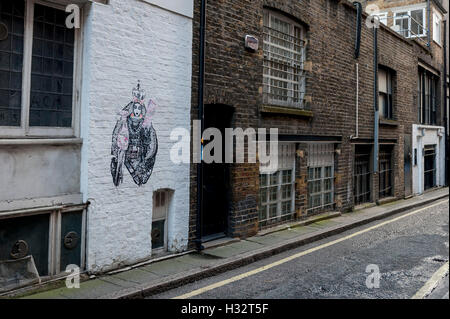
(358, 6)
(446, 102)
(375, 102)
(201, 81)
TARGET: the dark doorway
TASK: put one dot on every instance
(216, 178)
(429, 166)
(362, 175)
(408, 165)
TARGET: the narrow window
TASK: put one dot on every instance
(385, 172)
(159, 219)
(11, 60)
(320, 177)
(51, 69)
(277, 189)
(385, 85)
(428, 90)
(429, 166)
(437, 28)
(362, 175)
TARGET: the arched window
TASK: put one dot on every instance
(284, 56)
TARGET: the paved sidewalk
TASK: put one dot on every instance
(174, 272)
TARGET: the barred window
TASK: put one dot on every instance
(320, 177)
(385, 175)
(284, 55)
(277, 188)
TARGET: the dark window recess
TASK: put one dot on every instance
(427, 101)
(385, 173)
(52, 69)
(386, 85)
(25, 236)
(158, 234)
(71, 223)
(429, 166)
(11, 59)
(362, 175)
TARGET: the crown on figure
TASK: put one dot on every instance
(138, 93)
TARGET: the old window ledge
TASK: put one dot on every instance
(286, 110)
(387, 122)
(40, 141)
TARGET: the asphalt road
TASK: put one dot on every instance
(407, 251)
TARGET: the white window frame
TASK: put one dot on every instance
(409, 17)
(290, 83)
(437, 26)
(25, 130)
(286, 162)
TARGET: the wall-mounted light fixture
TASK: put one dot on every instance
(251, 43)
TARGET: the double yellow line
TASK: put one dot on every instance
(298, 255)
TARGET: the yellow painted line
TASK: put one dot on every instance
(431, 283)
(295, 256)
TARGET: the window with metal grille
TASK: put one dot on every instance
(385, 89)
(284, 77)
(427, 92)
(385, 172)
(277, 188)
(429, 166)
(320, 177)
(362, 175)
(37, 85)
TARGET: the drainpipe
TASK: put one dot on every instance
(200, 94)
(375, 103)
(445, 103)
(357, 52)
(429, 23)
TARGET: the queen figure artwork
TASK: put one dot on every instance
(134, 140)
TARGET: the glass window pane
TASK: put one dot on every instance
(263, 180)
(273, 193)
(417, 22)
(11, 60)
(274, 179)
(52, 69)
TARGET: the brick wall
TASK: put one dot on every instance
(234, 77)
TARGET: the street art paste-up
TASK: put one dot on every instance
(134, 140)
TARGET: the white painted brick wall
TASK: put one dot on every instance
(126, 41)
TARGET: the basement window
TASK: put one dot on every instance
(277, 188)
(284, 55)
(385, 172)
(362, 175)
(159, 219)
(320, 177)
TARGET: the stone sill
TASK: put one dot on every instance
(387, 122)
(272, 109)
(40, 141)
